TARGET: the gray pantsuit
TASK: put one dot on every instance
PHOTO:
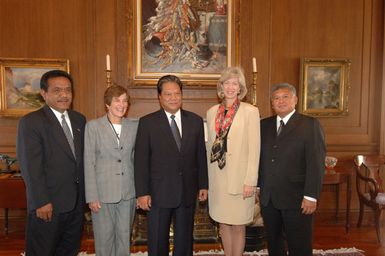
(112, 227)
(109, 179)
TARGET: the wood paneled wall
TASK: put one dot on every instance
(278, 33)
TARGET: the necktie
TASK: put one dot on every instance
(67, 132)
(281, 125)
(175, 132)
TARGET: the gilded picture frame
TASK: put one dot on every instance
(324, 87)
(20, 83)
(194, 40)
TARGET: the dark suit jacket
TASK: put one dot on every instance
(50, 171)
(170, 177)
(291, 165)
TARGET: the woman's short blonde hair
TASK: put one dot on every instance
(228, 73)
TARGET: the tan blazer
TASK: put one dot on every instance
(243, 147)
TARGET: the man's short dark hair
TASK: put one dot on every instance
(52, 74)
(166, 79)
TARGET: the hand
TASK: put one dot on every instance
(202, 196)
(94, 206)
(308, 207)
(45, 212)
(144, 202)
(248, 191)
(257, 191)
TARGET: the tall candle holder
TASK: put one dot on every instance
(108, 77)
(254, 89)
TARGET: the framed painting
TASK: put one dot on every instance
(194, 40)
(20, 83)
(324, 86)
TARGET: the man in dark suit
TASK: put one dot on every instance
(50, 152)
(170, 170)
(290, 174)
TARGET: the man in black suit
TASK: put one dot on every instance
(170, 170)
(290, 174)
(50, 152)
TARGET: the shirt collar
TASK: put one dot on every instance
(286, 118)
(177, 114)
(58, 114)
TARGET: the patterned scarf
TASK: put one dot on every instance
(222, 127)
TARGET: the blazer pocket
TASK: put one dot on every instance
(297, 178)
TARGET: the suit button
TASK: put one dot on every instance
(180, 173)
(275, 146)
(273, 160)
(119, 161)
(122, 173)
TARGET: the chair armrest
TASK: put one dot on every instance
(372, 184)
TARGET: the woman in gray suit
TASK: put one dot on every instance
(109, 174)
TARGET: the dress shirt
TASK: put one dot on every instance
(178, 120)
(58, 116)
(285, 120)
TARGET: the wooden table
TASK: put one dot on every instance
(339, 175)
(12, 195)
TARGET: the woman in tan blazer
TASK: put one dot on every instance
(233, 158)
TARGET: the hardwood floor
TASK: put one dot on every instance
(327, 235)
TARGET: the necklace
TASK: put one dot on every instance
(113, 128)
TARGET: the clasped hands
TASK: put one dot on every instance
(144, 202)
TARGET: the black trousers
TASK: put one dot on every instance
(158, 229)
(290, 225)
(59, 237)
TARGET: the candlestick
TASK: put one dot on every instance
(108, 65)
(253, 86)
(254, 90)
(254, 65)
(108, 77)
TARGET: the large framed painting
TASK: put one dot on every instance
(20, 83)
(324, 87)
(193, 39)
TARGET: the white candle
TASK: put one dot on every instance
(254, 65)
(108, 65)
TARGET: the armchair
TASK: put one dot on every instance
(369, 187)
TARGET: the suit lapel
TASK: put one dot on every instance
(58, 133)
(290, 125)
(271, 128)
(110, 133)
(76, 131)
(125, 137)
(185, 129)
